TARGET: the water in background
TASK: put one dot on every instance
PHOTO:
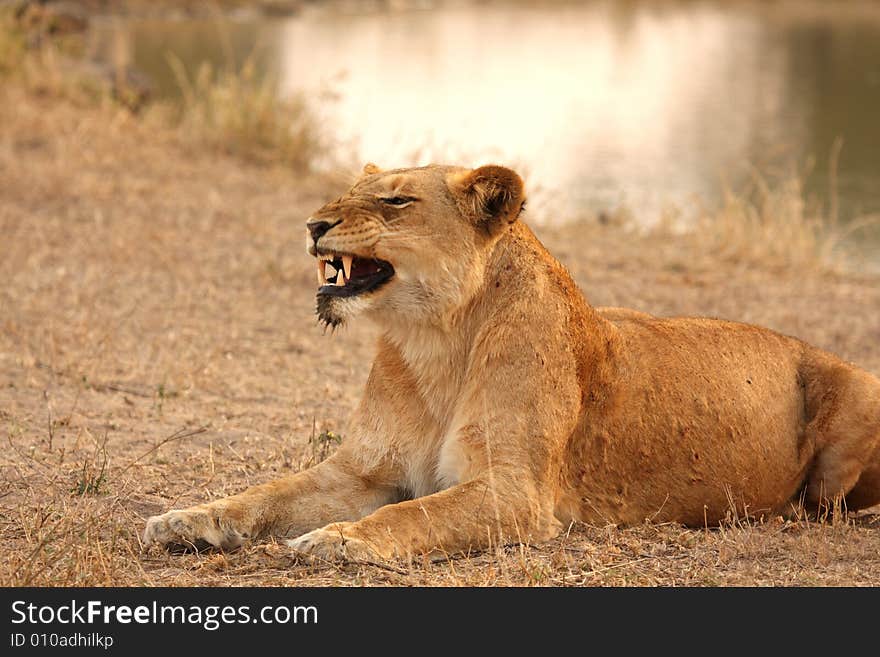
(601, 104)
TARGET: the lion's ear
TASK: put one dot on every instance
(370, 169)
(493, 196)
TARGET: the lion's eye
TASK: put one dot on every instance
(397, 200)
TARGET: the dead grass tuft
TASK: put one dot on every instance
(768, 224)
(241, 112)
(771, 224)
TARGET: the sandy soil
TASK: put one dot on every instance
(158, 348)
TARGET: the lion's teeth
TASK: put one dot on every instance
(322, 279)
(340, 278)
(346, 265)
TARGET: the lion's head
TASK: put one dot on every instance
(410, 244)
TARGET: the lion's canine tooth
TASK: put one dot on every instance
(340, 278)
(346, 265)
(322, 279)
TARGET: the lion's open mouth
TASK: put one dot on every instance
(343, 275)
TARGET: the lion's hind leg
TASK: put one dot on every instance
(866, 492)
(843, 409)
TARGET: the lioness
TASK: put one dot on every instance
(501, 405)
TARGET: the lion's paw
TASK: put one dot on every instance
(333, 543)
(190, 529)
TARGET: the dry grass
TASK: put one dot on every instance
(158, 348)
(27, 57)
(51, 64)
(770, 225)
(233, 109)
(12, 44)
(240, 111)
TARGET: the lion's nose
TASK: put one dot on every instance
(318, 228)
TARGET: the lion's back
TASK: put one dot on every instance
(700, 409)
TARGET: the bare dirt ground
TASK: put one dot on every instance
(158, 348)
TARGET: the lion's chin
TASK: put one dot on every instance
(334, 311)
(326, 312)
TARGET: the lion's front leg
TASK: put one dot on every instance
(335, 490)
(197, 528)
(468, 516)
(506, 463)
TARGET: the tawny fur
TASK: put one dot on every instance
(501, 405)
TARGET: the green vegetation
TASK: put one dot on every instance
(93, 474)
